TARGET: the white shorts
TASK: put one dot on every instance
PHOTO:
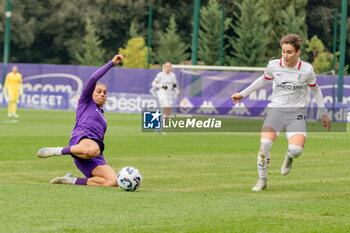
(292, 120)
(165, 101)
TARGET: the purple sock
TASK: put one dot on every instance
(81, 181)
(66, 150)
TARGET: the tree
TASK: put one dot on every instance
(323, 63)
(295, 23)
(279, 25)
(210, 33)
(45, 31)
(171, 48)
(135, 53)
(315, 46)
(251, 29)
(22, 30)
(320, 19)
(133, 30)
(322, 60)
(51, 31)
(93, 54)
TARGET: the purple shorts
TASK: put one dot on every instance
(87, 165)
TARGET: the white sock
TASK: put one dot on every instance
(60, 150)
(73, 180)
(294, 151)
(69, 179)
(264, 158)
(52, 151)
(57, 150)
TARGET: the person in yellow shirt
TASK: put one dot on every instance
(13, 88)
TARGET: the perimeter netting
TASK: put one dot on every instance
(208, 89)
(214, 84)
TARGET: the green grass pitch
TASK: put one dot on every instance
(192, 182)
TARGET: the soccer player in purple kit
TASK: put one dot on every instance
(86, 144)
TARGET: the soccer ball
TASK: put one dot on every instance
(129, 178)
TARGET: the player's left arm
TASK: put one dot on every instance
(20, 85)
(174, 81)
(176, 90)
(4, 89)
(156, 81)
(257, 84)
(317, 93)
(91, 83)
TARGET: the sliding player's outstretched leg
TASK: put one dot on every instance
(49, 152)
(67, 179)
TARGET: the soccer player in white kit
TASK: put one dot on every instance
(166, 82)
(291, 77)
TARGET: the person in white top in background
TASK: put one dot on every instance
(166, 82)
(291, 77)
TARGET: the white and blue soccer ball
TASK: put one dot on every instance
(129, 178)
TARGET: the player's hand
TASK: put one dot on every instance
(4, 91)
(165, 87)
(21, 91)
(236, 97)
(326, 122)
(117, 58)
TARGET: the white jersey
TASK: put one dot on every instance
(163, 79)
(290, 85)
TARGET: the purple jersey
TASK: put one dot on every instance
(90, 121)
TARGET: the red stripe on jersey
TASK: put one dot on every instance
(300, 66)
(312, 85)
(267, 77)
(281, 62)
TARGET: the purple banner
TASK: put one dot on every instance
(59, 87)
(129, 103)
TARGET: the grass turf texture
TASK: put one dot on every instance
(192, 182)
